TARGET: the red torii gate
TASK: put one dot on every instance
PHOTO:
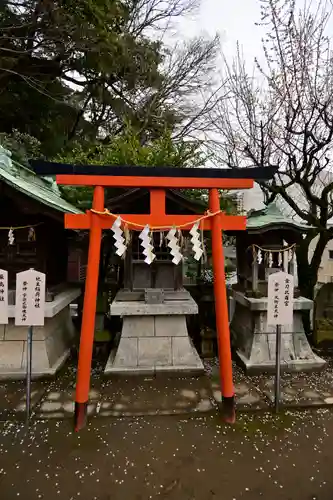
(156, 180)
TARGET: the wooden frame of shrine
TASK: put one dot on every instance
(157, 180)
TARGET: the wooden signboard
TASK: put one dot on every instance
(30, 298)
(280, 299)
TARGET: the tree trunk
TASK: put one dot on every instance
(306, 283)
(308, 274)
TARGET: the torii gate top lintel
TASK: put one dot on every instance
(150, 177)
(157, 179)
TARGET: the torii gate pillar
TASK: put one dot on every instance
(221, 310)
(89, 312)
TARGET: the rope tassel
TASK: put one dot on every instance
(32, 234)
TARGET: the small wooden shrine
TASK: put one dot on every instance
(32, 236)
(267, 246)
(152, 301)
(134, 273)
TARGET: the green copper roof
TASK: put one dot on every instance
(271, 217)
(43, 189)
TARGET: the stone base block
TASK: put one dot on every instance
(177, 302)
(152, 344)
(50, 347)
(255, 367)
(255, 340)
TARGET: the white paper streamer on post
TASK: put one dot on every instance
(290, 254)
(259, 256)
(174, 246)
(146, 243)
(11, 237)
(280, 259)
(118, 236)
(196, 242)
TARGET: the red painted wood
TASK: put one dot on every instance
(221, 307)
(153, 182)
(89, 306)
(157, 201)
(157, 218)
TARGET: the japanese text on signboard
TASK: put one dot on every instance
(287, 288)
(30, 298)
(3, 297)
(37, 292)
(24, 301)
(276, 299)
(280, 299)
(2, 287)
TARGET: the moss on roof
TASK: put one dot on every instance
(270, 217)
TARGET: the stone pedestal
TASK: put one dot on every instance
(154, 337)
(255, 341)
(51, 343)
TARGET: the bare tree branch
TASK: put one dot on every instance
(282, 114)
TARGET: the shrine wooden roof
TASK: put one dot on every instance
(117, 203)
(270, 218)
(22, 179)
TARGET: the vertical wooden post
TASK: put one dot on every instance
(291, 267)
(221, 311)
(89, 313)
(254, 273)
(157, 201)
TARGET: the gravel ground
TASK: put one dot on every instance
(287, 457)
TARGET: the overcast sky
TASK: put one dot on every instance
(234, 20)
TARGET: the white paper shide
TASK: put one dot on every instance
(3, 297)
(280, 299)
(148, 247)
(119, 238)
(195, 240)
(30, 298)
(173, 244)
